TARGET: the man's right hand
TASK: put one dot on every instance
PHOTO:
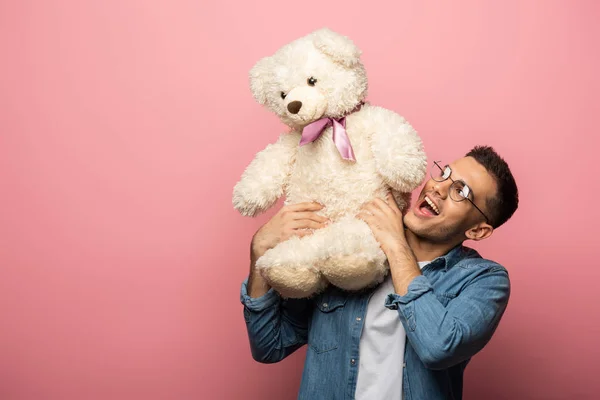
(292, 220)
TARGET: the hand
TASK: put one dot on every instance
(292, 220)
(385, 220)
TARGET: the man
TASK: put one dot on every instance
(412, 336)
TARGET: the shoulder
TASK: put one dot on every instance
(476, 270)
(470, 259)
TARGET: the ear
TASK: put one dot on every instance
(259, 75)
(480, 231)
(340, 48)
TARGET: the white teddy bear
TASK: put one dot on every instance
(340, 152)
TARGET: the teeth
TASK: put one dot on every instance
(432, 204)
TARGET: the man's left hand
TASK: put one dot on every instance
(385, 220)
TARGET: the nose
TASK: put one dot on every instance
(441, 188)
(294, 106)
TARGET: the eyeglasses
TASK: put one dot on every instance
(459, 190)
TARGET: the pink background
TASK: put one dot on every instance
(124, 125)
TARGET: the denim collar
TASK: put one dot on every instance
(452, 257)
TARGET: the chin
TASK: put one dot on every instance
(414, 225)
(430, 230)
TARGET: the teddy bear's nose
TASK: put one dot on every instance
(294, 106)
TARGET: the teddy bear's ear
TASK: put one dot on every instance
(337, 46)
(259, 76)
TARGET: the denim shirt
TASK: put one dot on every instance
(449, 314)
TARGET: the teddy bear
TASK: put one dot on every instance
(340, 151)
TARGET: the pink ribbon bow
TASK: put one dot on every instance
(312, 131)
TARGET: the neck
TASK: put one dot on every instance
(426, 250)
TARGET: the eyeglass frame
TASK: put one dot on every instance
(487, 220)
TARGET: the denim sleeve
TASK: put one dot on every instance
(276, 327)
(443, 336)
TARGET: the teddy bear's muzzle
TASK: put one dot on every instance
(304, 104)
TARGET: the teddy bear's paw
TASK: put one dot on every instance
(353, 272)
(249, 208)
(294, 281)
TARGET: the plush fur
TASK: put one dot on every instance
(389, 156)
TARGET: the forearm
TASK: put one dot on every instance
(257, 286)
(403, 267)
(276, 327)
(440, 338)
(443, 336)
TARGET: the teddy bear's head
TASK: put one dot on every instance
(318, 75)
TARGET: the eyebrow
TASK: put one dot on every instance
(454, 173)
(461, 180)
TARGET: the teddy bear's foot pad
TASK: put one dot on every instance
(353, 272)
(294, 282)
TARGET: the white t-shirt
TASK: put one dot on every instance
(381, 348)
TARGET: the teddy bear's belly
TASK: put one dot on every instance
(343, 187)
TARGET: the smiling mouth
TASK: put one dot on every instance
(428, 207)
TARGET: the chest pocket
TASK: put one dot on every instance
(327, 321)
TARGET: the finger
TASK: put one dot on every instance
(369, 220)
(309, 215)
(385, 208)
(381, 204)
(365, 216)
(392, 202)
(306, 224)
(373, 209)
(296, 232)
(306, 206)
(302, 233)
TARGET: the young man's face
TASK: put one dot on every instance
(449, 220)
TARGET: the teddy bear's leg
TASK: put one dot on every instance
(290, 268)
(354, 258)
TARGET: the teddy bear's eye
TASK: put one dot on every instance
(283, 95)
(311, 81)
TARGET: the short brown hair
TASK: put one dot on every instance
(506, 201)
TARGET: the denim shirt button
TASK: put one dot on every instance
(325, 305)
(353, 361)
(358, 318)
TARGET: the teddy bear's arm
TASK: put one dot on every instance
(263, 180)
(398, 151)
